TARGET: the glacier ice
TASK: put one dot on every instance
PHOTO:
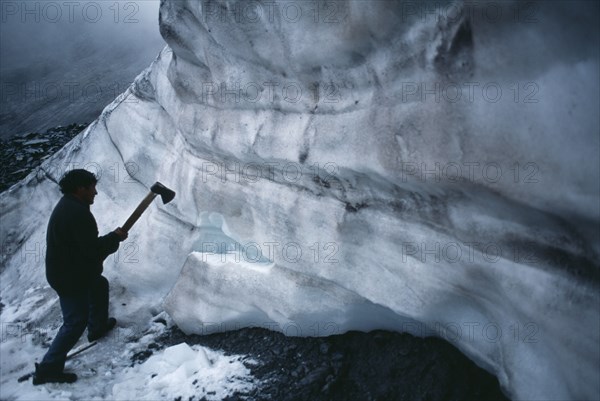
(329, 179)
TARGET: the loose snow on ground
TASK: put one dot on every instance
(105, 372)
(184, 371)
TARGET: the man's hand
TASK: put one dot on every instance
(121, 233)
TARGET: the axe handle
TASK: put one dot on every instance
(138, 211)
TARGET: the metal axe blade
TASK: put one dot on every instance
(166, 195)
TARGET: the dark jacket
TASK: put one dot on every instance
(74, 252)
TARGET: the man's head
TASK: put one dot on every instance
(79, 183)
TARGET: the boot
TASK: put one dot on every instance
(110, 324)
(42, 376)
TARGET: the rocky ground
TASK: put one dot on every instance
(21, 154)
(379, 365)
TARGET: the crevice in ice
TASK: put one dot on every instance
(211, 238)
(427, 205)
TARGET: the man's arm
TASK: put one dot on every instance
(109, 243)
(92, 248)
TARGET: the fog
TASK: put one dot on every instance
(63, 62)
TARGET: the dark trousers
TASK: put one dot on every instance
(87, 309)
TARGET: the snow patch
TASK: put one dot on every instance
(185, 371)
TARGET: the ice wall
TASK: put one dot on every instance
(329, 177)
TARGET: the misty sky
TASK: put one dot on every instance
(63, 62)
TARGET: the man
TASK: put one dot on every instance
(74, 257)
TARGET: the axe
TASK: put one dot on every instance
(165, 193)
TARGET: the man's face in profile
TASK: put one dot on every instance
(87, 194)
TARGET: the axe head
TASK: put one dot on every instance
(165, 193)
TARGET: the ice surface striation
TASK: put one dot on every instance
(330, 178)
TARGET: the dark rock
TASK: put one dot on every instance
(365, 366)
(324, 348)
(22, 154)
